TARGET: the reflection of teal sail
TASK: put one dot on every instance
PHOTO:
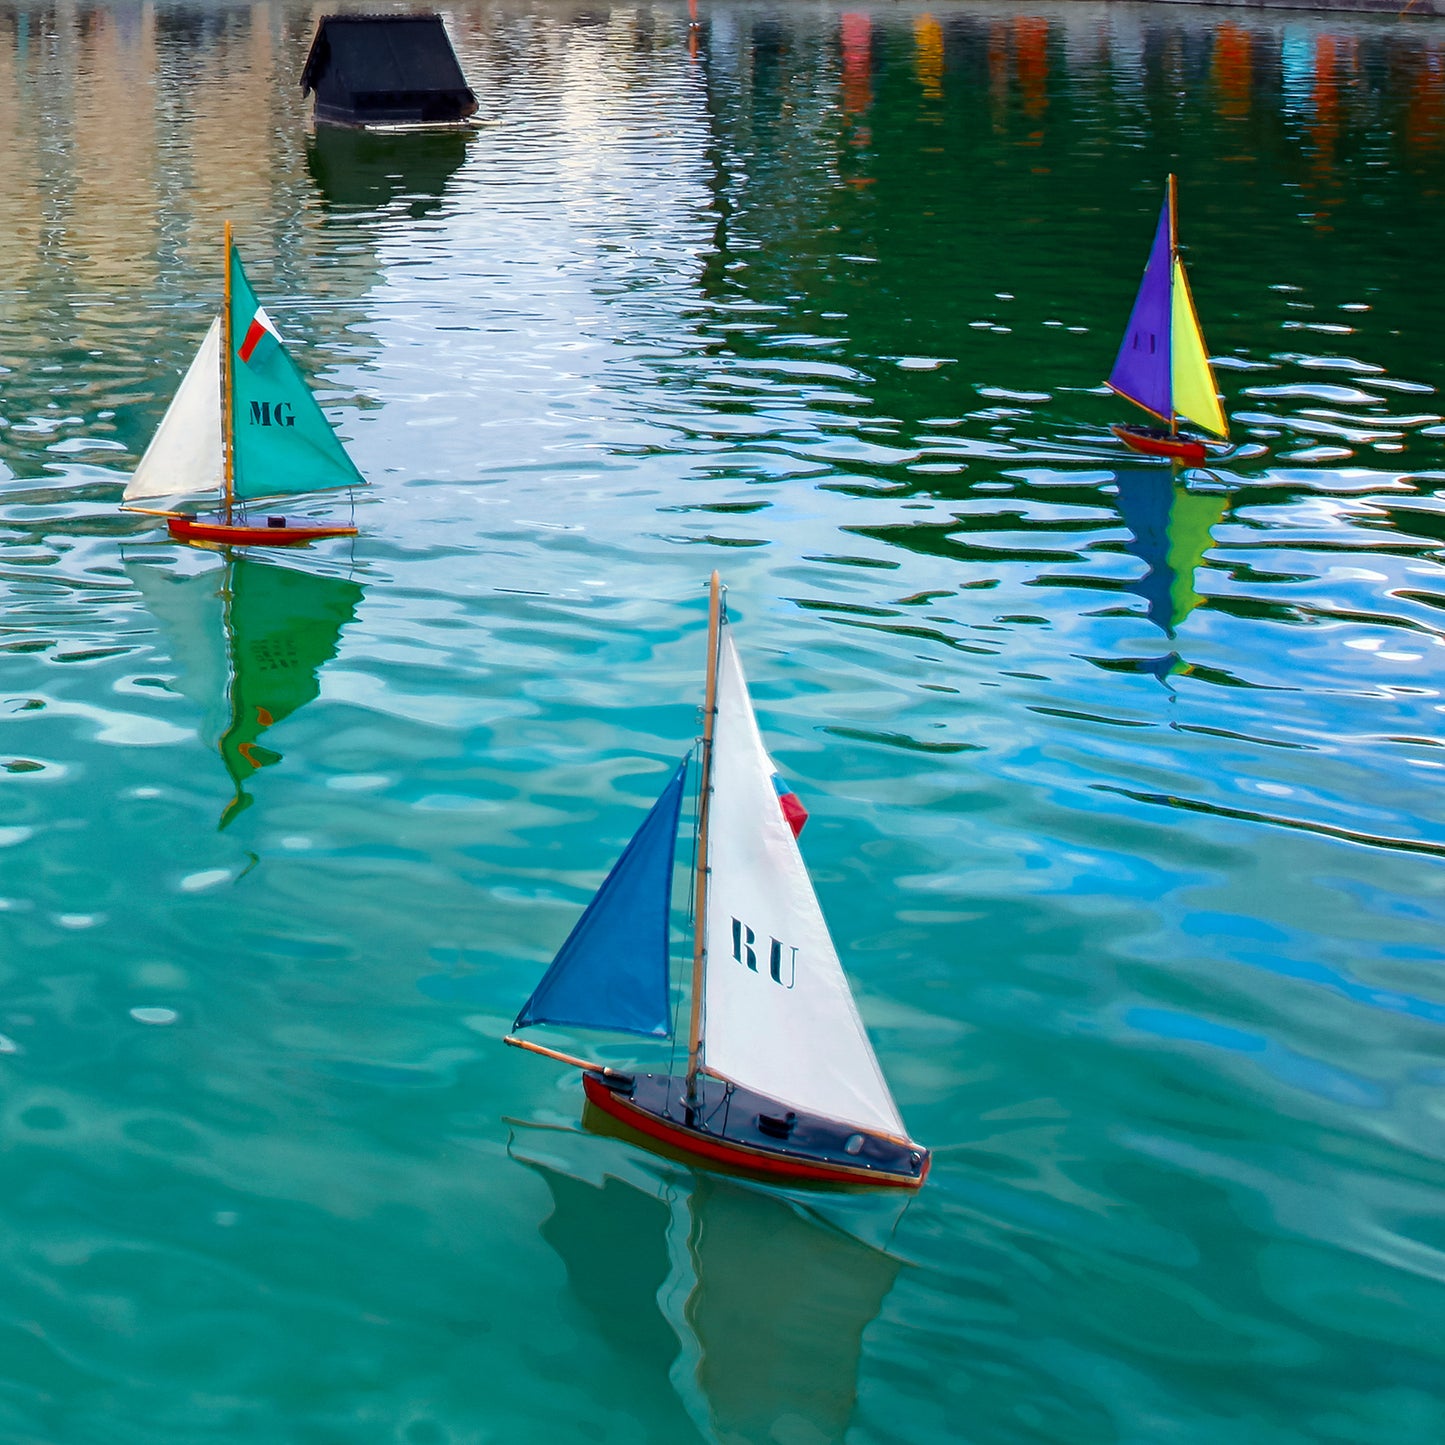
(249, 639)
(1171, 527)
(282, 627)
(359, 168)
(612, 972)
(774, 1301)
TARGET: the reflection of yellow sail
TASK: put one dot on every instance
(1190, 537)
(1195, 396)
(1172, 531)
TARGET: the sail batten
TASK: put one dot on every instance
(779, 1016)
(612, 972)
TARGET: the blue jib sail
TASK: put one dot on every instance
(612, 971)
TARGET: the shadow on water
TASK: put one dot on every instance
(774, 1300)
(355, 169)
(249, 640)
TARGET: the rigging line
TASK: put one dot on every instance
(897, 1223)
(677, 996)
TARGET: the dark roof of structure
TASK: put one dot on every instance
(385, 65)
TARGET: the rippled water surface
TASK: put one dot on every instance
(1125, 789)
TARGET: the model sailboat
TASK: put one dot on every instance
(1162, 364)
(244, 424)
(781, 1080)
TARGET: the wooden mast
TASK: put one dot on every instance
(227, 429)
(1173, 262)
(699, 938)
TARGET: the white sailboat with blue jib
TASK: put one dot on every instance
(781, 1081)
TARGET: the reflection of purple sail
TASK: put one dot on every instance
(1143, 372)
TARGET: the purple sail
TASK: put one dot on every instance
(1143, 371)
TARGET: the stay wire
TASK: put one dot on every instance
(692, 865)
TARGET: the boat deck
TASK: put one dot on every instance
(749, 1132)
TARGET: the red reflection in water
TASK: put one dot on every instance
(1425, 107)
(1031, 56)
(997, 74)
(1233, 69)
(857, 41)
(1325, 129)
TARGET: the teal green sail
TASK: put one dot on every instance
(281, 438)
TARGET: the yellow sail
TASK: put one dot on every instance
(1195, 396)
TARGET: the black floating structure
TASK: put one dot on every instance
(386, 72)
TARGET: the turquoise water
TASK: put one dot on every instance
(1124, 790)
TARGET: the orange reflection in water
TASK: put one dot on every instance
(928, 48)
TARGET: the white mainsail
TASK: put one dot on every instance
(185, 454)
(780, 1018)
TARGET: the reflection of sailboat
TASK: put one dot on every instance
(1171, 528)
(361, 168)
(612, 1239)
(775, 1300)
(778, 1309)
(250, 640)
(781, 1079)
(243, 423)
(1172, 532)
(1162, 365)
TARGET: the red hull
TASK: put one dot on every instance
(1157, 443)
(756, 1158)
(237, 534)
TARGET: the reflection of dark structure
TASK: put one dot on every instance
(249, 640)
(386, 70)
(1171, 533)
(359, 168)
(776, 1305)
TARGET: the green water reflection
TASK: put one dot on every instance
(250, 640)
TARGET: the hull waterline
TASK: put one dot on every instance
(280, 533)
(736, 1131)
(1156, 442)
